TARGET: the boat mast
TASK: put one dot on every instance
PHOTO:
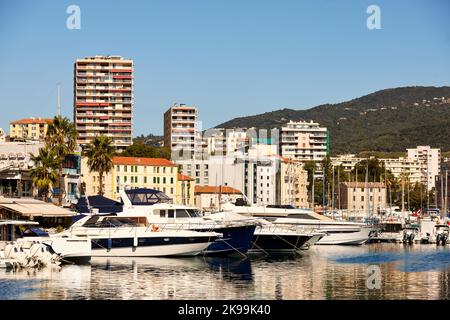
(312, 193)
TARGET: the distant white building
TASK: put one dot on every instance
(397, 166)
(304, 141)
(253, 172)
(429, 160)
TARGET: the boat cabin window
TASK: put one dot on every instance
(171, 213)
(162, 213)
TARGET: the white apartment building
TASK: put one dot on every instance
(397, 166)
(221, 141)
(181, 131)
(253, 172)
(293, 184)
(429, 160)
(103, 99)
(304, 141)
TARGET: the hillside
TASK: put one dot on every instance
(389, 120)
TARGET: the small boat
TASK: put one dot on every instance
(442, 233)
(70, 250)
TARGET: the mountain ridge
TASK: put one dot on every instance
(388, 120)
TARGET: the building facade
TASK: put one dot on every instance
(401, 166)
(429, 160)
(185, 190)
(208, 198)
(293, 184)
(253, 171)
(15, 173)
(104, 99)
(304, 141)
(29, 129)
(361, 199)
(181, 131)
(132, 172)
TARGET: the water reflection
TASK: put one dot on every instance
(326, 272)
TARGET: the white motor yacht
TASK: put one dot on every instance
(336, 232)
(115, 236)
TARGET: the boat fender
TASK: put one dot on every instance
(155, 228)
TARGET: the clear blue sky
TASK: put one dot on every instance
(230, 58)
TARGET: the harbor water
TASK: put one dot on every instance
(375, 271)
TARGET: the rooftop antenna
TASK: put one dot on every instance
(59, 98)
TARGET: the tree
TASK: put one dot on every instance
(44, 175)
(100, 153)
(61, 139)
(138, 149)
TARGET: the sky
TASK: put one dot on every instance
(230, 58)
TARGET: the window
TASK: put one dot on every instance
(171, 190)
(362, 198)
(135, 179)
(118, 179)
(125, 179)
(164, 180)
(157, 179)
(135, 169)
(125, 168)
(171, 213)
(117, 189)
(171, 180)
(145, 179)
(171, 170)
(164, 189)
(118, 168)
(132, 169)
(162, 213)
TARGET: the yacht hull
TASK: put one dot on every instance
(149, 247)
(346, 238)
(235, 239)
(278, 242)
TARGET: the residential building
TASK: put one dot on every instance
(429, 160)
(361, 199)
(33, 129)
(304, 141)
(133, 172)
(15, 167)
(397, 166)
(293, 184)
(185, 190)
(253, 171)
(221, 141)
(208, 198)
(181, 131)
(103, 99)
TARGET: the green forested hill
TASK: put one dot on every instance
(387, 120)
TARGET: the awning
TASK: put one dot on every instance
(34, 208)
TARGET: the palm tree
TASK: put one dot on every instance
(61, 138)
(100, 153)
(44, 174)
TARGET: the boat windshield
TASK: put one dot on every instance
(145, 197)
(109, 222)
